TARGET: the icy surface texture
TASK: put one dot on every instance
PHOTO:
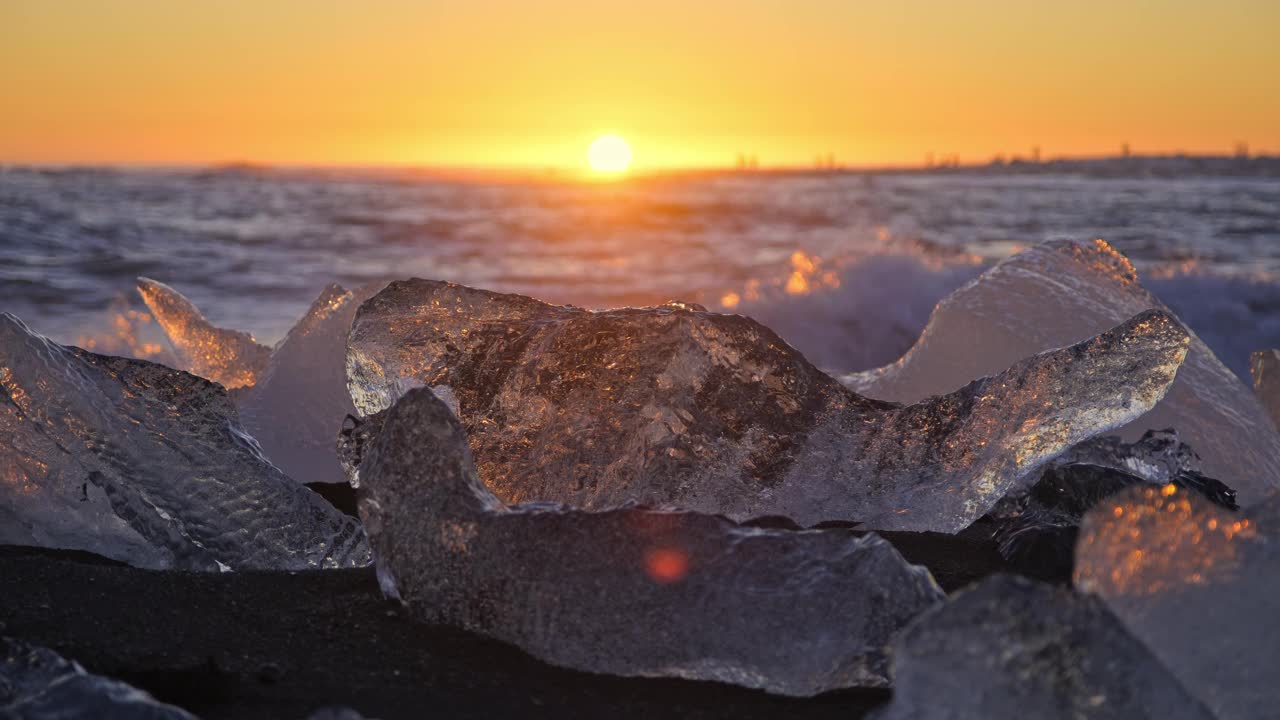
(628, 591)
(1038, 531)
(674, 406)
(148, 465)
(301, 398)
(1198, 585)
(1056, 294)
(1264, 368)
(1011, 648)
(38, 684)
(228, 357)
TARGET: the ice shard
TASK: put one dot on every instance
(38, 684)
(1011, 648)
(301, 398)
(627, 591)
(228, 357)
(1038, 531)
(1264, 368)
(679, 407)
(1055, 294)
(1198, 584)
(149, 465)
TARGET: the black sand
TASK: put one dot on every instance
(281, 645)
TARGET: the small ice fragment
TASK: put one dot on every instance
(1197, 584)
(679, 407)
(1055, 294)
(1010, 648)
(148, 465)
(1264, 368)
(228, 357)
(630, 591)
(1038, 531)
(38, 684)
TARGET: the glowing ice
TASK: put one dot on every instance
(676, 406)
(1058, 293)
(38, 684)
(1011, 648)
(148, 465)
(1039, 529)
(1198, 585)
(228, 357)
(628, 591)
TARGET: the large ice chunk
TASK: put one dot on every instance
(627, 591)
(38, 684)
(1056, 294)
(677, 406)
(148, 465)
(1011, 648)
(228, 357)
(1199, 585)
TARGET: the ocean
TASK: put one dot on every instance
(845, 266)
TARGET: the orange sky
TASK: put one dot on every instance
(687, 82)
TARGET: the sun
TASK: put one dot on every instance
(609, 154)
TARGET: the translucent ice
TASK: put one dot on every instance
(228, 357)
(627, 591)
(1199, 585)
(38, 684)
(1264, 368)
(293, 397)
(1056, 294)
(1011, 648)
(148, 465)
(677, 406)
(301, 398)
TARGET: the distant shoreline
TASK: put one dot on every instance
(1132, 166)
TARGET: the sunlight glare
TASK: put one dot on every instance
(609, 154)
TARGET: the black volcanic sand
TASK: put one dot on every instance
(281, 645)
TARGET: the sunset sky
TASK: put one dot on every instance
(687, 83)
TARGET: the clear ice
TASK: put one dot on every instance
(228, 357)
(1010, 648)
(1055, 294)
(293, 397)
(38, 684)
(148, 465)
(1264, 369)
(675, 406)
(1197, 584)
(1038, 530)
(627, 591)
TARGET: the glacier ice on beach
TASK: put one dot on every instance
(1264, 370)
(149, 465)
(228, 357)
(1010, 648)
(1198, 584)
(627, 591)
(679, 407)
(1058, 293)
(293, 397)
(38, 684)
(1038, 530)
